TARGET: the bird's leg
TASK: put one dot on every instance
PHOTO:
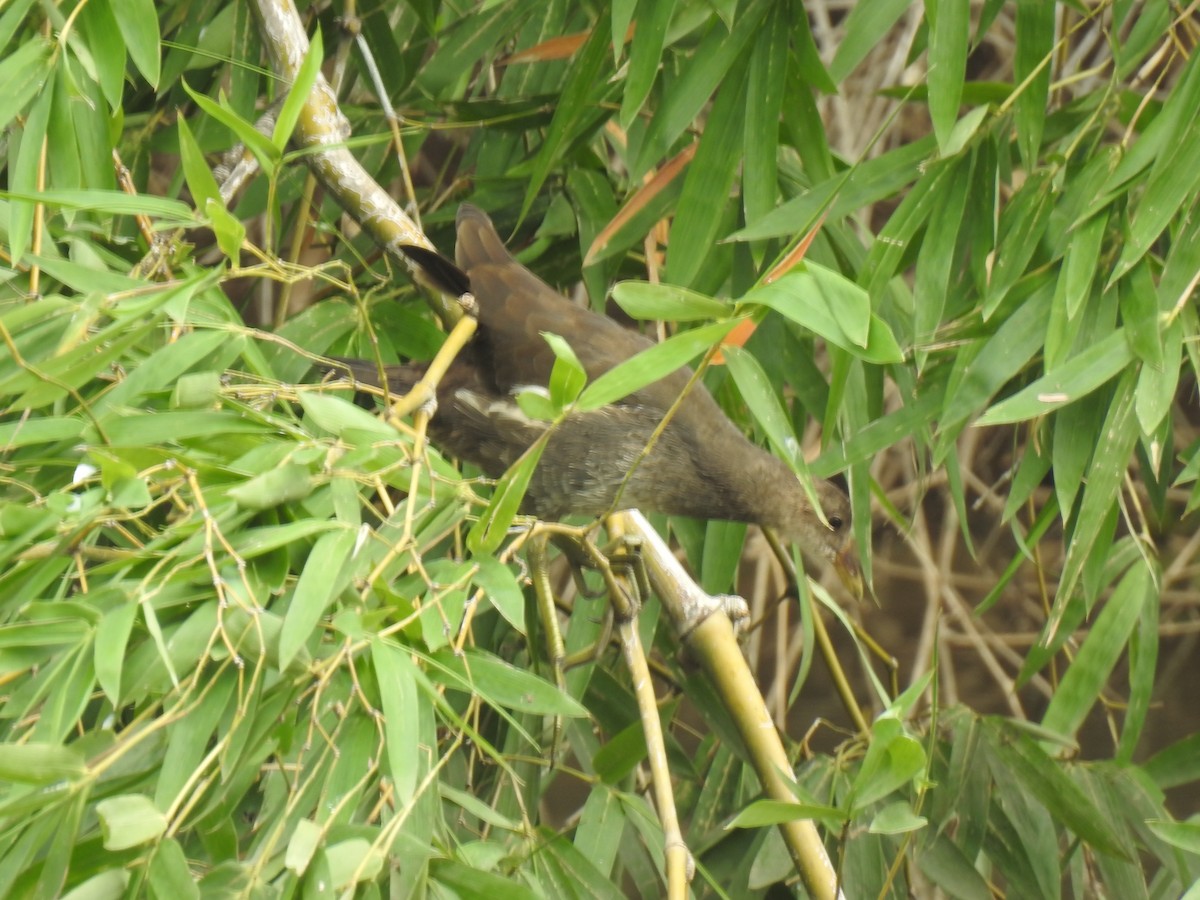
(568, 540)
(625, 557)
(539, 574)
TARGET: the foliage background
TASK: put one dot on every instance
(231, 646)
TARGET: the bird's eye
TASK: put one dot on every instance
(836, 523)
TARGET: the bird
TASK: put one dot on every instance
(593, 462)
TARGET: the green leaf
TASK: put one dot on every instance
(107, 48)
(1031, 71)
(763, 813)
(259, 144)
(709, 177)
(575, 102)
(863, 31)
(111, 644)
(707, 68)
(500, 585)
(1076, 378)
(23, 176)
(949, 27)
(339, 416)
(23, 72)
(1173, 179)
(298, 93)
(832, 306)
(567, 376)
(129, 820)
(896, 818)
(321, 580)
(199, 177)
(1083, 682)
(398, 694)
(666, 302)
(489, 530)
(1062, 797)
(652, 364)
(171, 212)
(893, 759)
(1103, 483)
(502, 685)
(755, 388)
(39, 763)
(1022, 225)
(645, 54)
(138, 21)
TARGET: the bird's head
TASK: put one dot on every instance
(832, 539)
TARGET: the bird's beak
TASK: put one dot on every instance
(846, 565)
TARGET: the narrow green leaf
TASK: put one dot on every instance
(199, 177)
(275, 487)
(228, 229)
(706, 69)
(23, 72)
(138, 21)
(489, 530)
(1143, 667)
(23, 176)
(765, 88)
(1063, 798)
(107, 48)
(1022, 225)
(1157, 385)
(338, 416)
(936, 257)
(706, 186)
(755, 388)
(128, 820)
(764, 813)
(502, 685)
(573, 108)
(844, 193)
(645, 54)
(169, 873)
(667, 302)
(1103, 483)
(298, 93)
(893, 759)
(171, 212)
(321, 580)
(1140, 315)
(1073, 379)
(864, 29)
(500, 585)
(949, 27)
(398, 693)
(1172, 181)
(112, 639)
(567, 376)
(38, 763)
(827, 303)
(1093, 664)
(1031, 71)
(260, 145)
(1184, 835)
(652, 364)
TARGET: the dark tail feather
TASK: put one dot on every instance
(441, 273)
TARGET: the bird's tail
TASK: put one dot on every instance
(477, 243)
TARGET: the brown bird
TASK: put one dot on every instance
(701, 466)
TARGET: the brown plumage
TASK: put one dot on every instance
(702, 465)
